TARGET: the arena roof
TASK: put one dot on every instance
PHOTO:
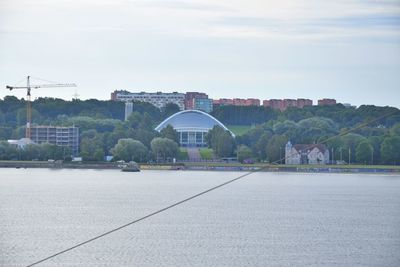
(191, 120)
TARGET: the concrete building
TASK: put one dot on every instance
(306, 154)
(252, 102)
(128, 109)
(190, 96)
(57, 135)
(223, 102)
(289, 103)
(237, 102)
(203, 104)
(301, 102)
(326, 102)
(283, 104)
(158, 99)
(274, 103)
(192, 126)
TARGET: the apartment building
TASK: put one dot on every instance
(203, 104)
(57, 135)
(190, 96)
(158, 99)
(326, 102)
(283, 104)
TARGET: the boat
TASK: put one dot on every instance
(131, 167)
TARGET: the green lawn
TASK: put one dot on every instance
(183, 154)
(239, 129)
(206, 153)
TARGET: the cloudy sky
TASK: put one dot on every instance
(343, 49)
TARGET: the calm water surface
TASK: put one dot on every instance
(266, 219)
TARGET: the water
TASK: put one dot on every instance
(266, 219)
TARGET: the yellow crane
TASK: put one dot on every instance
(28, 88)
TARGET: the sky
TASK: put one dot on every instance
(271, 49)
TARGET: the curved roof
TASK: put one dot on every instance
(191, 120)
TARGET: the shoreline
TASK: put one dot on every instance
(193, 166)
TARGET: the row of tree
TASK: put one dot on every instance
(100, 132)
(33, 152)
(372, 145)
(341, 115)
(47, 111)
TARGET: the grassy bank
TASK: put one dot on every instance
(239, 129)
(202, 165)
(206, 153)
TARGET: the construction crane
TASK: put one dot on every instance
(28, 88)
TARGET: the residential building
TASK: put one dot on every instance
(57, 135)
(223, 102)
(237, 102)
(289, 103)
(189, 96)
(274, 103)
(301, 102)
(203, 104)
(326, 102)
(252, 102)
(283, 104)
(158, 99)
(306, 154)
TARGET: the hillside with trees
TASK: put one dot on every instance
(104, 132)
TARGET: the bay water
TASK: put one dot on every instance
(264, 219)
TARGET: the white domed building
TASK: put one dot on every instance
(192, 126)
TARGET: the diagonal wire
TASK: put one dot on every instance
(144, 217)
(201, 193)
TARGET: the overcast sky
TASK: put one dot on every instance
(343, 49)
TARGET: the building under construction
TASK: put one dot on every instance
(57, 135)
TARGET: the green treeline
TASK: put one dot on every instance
(104, 132)
(344, 117)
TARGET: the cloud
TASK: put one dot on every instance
(181, 5)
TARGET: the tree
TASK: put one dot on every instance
(376, 142)
(130, 150)
(224, 145)
(98, 154)
(243, 153)
(350, 142)
(170, 133)
(89, 146)
(390, 150)
(134, 120)
(259, 148)
(276, 148)
(164, 148)
(364, 152)
(169, 109)
(395, 130)
(5, 133)
(220, 141)
(7, 151)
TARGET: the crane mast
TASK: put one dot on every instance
(28, 88)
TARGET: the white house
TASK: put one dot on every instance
(306, 154)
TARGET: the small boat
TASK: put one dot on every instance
(131, 167)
